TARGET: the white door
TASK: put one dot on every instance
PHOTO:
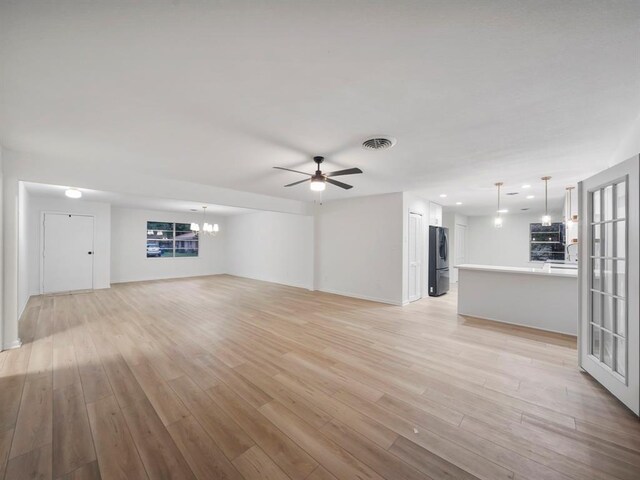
(67, 262)
(609, 330)
(415, 257)
(460, 247)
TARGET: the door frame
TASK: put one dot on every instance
(629, 172)
(43, 214)
(421, 247)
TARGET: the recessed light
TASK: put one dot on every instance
(503, 210)
(531, 196)
(458, 203)
(443, 195)
(526, 186)
(73, 193)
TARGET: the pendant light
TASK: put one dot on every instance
(569, 215)
(497, 222)
(546, 218)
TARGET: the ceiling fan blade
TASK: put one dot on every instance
(339, 184)
(298, 183)
(296, 171)
(348, 171)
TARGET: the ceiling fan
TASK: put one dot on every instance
(319, 180)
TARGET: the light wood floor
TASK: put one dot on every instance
(222, 377)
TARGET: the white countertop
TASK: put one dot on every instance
(556, 272)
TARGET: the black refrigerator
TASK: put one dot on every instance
(438, 261)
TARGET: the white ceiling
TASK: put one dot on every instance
(220, 92)
(131, 201)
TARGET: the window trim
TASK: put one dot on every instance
(174, 231)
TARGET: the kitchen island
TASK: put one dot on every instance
(542, 298)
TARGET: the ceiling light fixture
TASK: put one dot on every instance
(443, 195)
(526, 186)
(458, 203)
(318, 183)
(207, 228)
(546, 218)
(497, 222)
(531, 196)
(503, 210)
(73, 193)
(569, 217)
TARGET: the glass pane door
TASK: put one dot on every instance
(608, 272)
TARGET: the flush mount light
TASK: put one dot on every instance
(526, 186)
(531, 196)
(73, 193)
(443, 195)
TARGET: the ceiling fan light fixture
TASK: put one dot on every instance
(318, 184)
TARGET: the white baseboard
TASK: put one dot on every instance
(361, 297)
(15, 344)
(268, 280)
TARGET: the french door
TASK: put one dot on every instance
(609, 329)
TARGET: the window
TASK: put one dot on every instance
(166, 239)
(546, 243)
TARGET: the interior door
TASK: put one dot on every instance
(608, 333)
(415, 257)
(67, 253)
(460, 249)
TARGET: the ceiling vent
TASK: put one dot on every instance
(524, 209)
(379, 143)
(512, 193)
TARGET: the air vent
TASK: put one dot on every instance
(512, 193)
(524, 209)
(379, 143)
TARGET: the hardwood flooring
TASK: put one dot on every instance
(228, 378)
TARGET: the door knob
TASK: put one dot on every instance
(90, 253)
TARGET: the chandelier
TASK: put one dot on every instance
(207, 228)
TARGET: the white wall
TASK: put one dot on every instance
(359, 247)
(129, 260)
(24, 258)
(270, 246)
(629, 145)
(3, 272)
(450, 220)
(102, 237)
(506, 246)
